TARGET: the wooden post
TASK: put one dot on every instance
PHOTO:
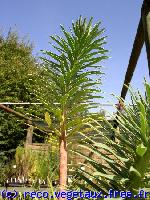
(146, 27)
(29, 133)
(28, 142)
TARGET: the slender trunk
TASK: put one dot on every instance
(63, 158)
(63, 166)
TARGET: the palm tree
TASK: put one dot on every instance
(74, 82)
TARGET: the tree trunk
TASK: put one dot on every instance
(63, 165)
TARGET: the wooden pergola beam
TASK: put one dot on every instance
(136, 50)
(29, 121)
(18, 114)
(142, 35)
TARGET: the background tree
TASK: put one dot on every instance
(18, 78)
(74, 82)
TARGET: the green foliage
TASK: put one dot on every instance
(10, 130)
(16, 63)
(74, 75)
(124, 164)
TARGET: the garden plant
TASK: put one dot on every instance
(123, 164)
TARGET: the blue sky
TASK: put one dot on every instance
(38, 19)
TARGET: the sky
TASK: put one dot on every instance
(38, 19)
